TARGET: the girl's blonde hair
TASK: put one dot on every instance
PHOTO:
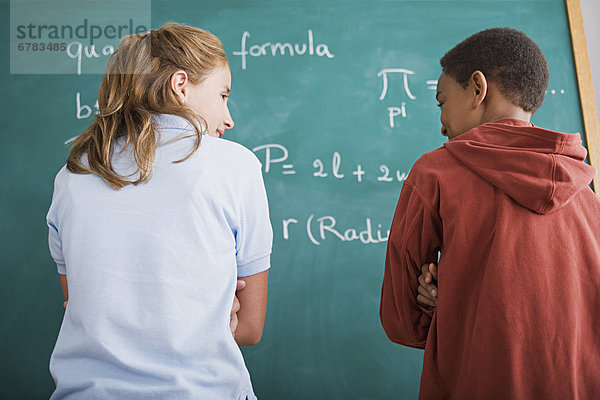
(136, 85)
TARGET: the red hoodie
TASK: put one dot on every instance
(509, 209)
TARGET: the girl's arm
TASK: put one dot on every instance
(65, 288)
(253, 307)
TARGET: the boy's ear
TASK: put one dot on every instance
(479, 86)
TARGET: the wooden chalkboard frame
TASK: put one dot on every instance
(589, 113)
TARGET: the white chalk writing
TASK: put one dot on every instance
(79, 52)
(384, 75)
(83, 111)
(274, 155)
(282, 49)
(321, 229)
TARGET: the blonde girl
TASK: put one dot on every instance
(153, 219)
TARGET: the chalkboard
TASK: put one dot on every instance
(336, 98)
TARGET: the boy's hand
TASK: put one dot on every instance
(233, 318)
(427, 291)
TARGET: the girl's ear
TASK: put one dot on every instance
(479, 86)
(179, 82)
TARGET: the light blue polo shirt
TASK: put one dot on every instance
(152, 272)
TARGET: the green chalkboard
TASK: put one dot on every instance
(336, 98)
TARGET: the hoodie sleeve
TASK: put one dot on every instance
(415, 239)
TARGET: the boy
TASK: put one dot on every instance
(508, 207)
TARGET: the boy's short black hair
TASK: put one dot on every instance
(505, 56)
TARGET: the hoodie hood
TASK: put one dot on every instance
(540, 169)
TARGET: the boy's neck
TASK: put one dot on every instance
(517, 113)
(499, 107)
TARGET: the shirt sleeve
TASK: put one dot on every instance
(415, 239)
(254, 237)
(54, 240)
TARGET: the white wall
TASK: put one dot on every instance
(591, 24)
